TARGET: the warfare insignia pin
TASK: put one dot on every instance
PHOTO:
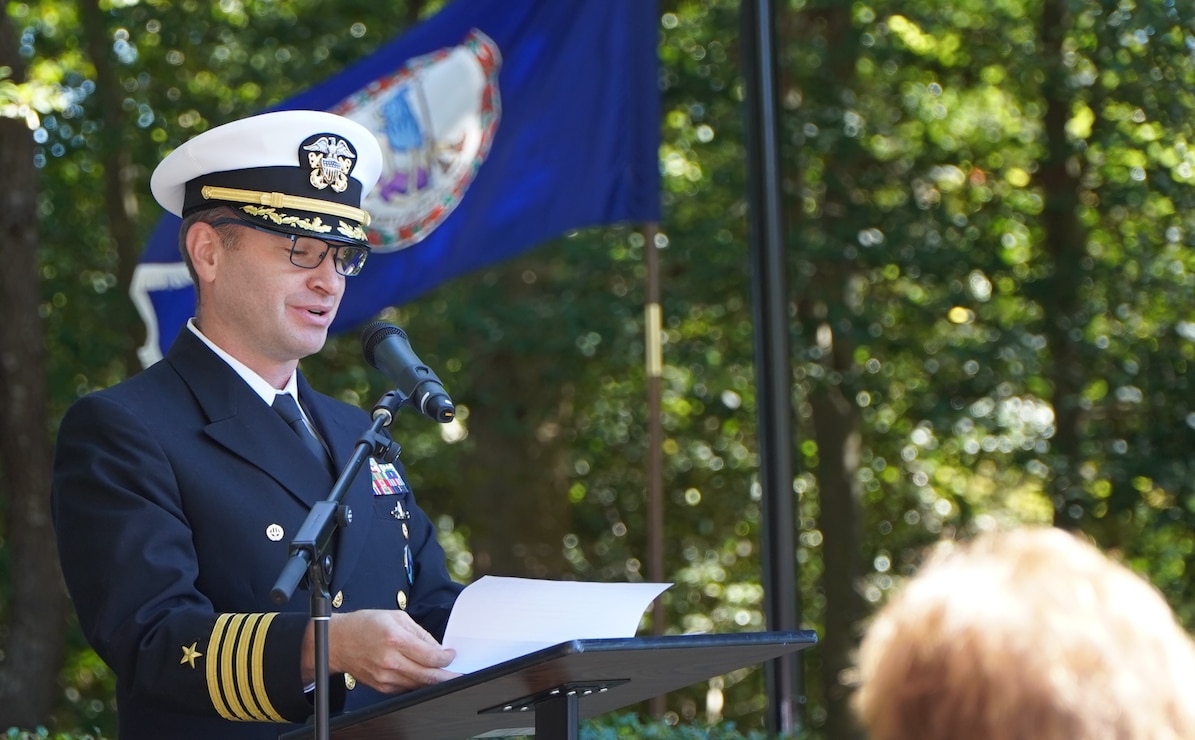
(331, 159)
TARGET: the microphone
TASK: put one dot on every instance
(386, 348)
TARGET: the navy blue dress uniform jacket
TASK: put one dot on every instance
(176, 496)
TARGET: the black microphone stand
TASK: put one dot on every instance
(309, 551)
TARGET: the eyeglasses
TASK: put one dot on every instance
(348, 258)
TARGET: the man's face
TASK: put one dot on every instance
(262, 309)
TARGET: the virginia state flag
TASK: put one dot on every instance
(503, 123)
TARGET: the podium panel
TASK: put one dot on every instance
(547, 692)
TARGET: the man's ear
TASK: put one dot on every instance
(206, 248)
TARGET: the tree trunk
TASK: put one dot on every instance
(837, 429)
(837, 422)
(1058, 294)
(121, 179)
(33, 639)
(517, 479)
(518, 473)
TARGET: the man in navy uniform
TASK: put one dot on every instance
(178, 491)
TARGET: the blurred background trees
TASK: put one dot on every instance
(991, 241)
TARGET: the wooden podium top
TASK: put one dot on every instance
(605, 675)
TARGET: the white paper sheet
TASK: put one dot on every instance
(498, 618)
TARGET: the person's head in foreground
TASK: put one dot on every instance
(1026, 634)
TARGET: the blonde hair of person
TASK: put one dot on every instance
(1026, 634)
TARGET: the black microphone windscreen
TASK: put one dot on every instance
(373, 335)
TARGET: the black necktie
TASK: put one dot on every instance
(288, 409)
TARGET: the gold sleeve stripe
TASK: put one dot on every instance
(228, 660)
(242, 687)
(257, 682)
(225, 653)
(236, 668)
(215, 660)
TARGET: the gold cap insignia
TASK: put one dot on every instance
(331, 160)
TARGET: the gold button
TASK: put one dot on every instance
(338, 599)
(350, 683)
(402, 600)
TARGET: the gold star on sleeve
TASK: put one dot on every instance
(190, 654)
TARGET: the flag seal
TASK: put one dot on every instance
(435, 119)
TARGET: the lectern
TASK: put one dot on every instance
(548, 692)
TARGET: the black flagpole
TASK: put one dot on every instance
(772, 362)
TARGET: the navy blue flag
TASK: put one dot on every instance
(503, 123)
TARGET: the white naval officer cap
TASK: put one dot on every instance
(297, 171)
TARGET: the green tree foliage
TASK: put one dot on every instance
(990, 219)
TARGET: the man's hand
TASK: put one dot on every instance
(384, 649)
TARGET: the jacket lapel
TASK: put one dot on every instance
(342, 427)
(243, 424)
